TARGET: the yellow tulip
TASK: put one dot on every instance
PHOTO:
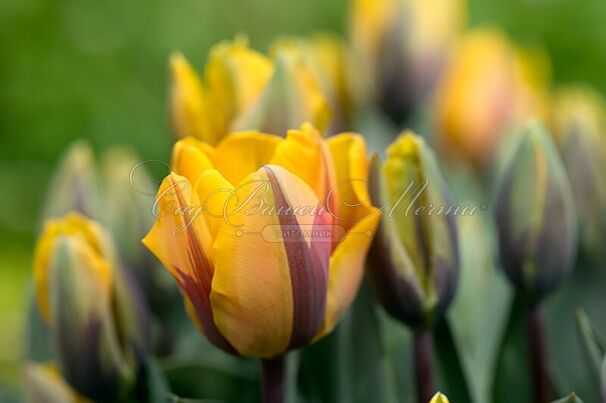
(229, 225)
(83, 295)
(490, 87)
(242, 90)
(401, 47)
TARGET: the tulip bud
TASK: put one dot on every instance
(580, 126)
(414, 257)
(402, 47)
(45, 384)
(439, 398)
(74, 184)
(97, 322)
(535, 215)
(488, 88)
(128, 201)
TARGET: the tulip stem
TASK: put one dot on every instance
(272, 387)
(423, 365)
(538, 354)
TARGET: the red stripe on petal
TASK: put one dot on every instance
(308, 274)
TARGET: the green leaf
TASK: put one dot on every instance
(157, 389)
(594, 352)
(512, 379)
(205, 380)
(571, 398)
(478, 316)
(569, 366)
(349, 365)
(452, 380)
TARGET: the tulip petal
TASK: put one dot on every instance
(72, 225)
(265, 294)
(351, 169)
(291, 97)
(191, 157)
(181, 240)
(439, 398)
(192, 113)
(240, 154)
(305, 154)
(45, 384)
(236, 75)
(347, 269)
(215, 196)
(85, 338)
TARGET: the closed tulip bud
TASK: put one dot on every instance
(535, 215)
(44, 383)
(439, 398)
(488, 88)
(401, 46)
(223, 230)
(580, 130)
(242, 90)
(74, 184)
(127, 214)
(96, 320)
(414, 257)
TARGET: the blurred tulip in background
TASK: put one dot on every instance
(94, 312)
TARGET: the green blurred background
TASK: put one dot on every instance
(98, 70)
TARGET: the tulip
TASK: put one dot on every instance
(488, 88)
(97, 323)
(45, 384)
(242, 90)
(251, 284)
(537, 233)
(128, 193)
(74, 184)
(414, 257)
(401, 48)
(579, 125)
(535, 215)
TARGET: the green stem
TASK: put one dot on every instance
(423, 365)
(538, 353)
(272, 387)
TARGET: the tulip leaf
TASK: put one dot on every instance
(571, 369)
(512, 378)
(594, 352)
(348, 365)
(156, 385)
(452, 380)
(204, 380)
(478, 316)
(571, 398)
